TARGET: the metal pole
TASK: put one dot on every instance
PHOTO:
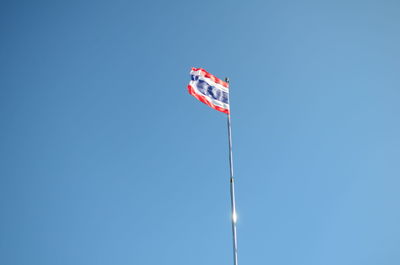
(232, 188)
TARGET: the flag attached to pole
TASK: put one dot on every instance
(209, 89)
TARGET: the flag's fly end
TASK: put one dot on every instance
(209, 89)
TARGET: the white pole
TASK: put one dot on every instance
(232, 188)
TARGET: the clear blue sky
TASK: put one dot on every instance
(106, 159)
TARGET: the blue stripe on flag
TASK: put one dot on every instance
(210, 91)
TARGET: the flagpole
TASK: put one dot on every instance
(232, 188)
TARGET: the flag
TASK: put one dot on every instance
(209, 89)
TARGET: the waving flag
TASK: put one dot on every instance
(209, 89)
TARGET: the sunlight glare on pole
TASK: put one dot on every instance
(234, 217)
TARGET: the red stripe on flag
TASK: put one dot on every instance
(212, 77)
(205, 100)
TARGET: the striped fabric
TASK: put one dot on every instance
(209, 89)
